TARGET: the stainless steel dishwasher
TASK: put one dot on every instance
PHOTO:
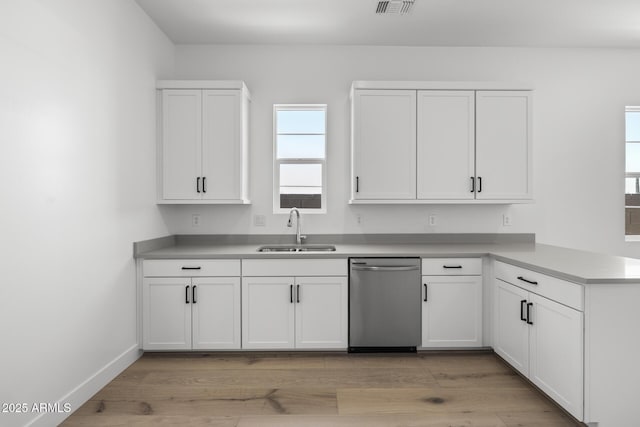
(384, 304)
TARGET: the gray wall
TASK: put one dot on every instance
(77, 132)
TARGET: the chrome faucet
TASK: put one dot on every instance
(299, 238)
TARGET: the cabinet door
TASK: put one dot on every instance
(511, 334)
(268, 308)
(503, 145)
(216, 313)
(556, 364)
(446, 144)
(452, 311)
(321, 312)
(384, 144)
(222, 144)
(181, 143)
(166, 313)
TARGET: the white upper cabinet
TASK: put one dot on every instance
(181, 143)
(203, 147)
(446, 145)
(503, 145)
(384, 144)
(440, 142)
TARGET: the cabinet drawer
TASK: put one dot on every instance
(191, 267)
(567, 293)
(294, 267)
(451, 266)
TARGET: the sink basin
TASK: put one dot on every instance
(297, 248)
(316, 248)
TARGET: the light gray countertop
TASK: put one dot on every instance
(569, 264)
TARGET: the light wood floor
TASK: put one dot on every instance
(311, 389)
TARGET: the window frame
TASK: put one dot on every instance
(634, 175)
(295, 161)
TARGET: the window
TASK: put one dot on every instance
(632, 171)
(300, 157)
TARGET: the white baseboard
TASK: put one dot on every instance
(85, 391)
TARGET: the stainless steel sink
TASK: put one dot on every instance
(297, 248)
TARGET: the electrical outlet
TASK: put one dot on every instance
(259, 220)
(506, 220)
(195, 220)
(359, 219)
(433, 220)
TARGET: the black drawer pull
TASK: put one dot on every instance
(528, 281)
(357, 184)
(193, 294)
(425, 292)
(479, 184)
(204, 184)
(451, 266)
(522, 303)
(291, 293)
(191, 268)
(186, 294)
(473, 185)
(297, 293)
(529, 313)
(198, 184)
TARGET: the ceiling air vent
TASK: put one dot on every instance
(394, 7)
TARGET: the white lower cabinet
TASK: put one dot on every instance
(452, 302)
(540, 337)
(452, 311)
(185, 313)
(294, 312)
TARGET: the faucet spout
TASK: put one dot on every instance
(299, 236)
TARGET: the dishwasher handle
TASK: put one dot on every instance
(385, 267)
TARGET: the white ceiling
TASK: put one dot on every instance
(544, 23)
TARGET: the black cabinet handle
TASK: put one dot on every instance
(298, 293)
(193, 294)
(531, 282)
(291, 293)
(191, 268)
(529, 313)
(522, 310)
(451, 266)
(479, 184)
(425, 292)
(204, 184)
(357, 184)
(186, 294)
(198, 184)
(473, 184)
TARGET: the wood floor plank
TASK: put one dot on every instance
(325, 378)
(246, 361)
(432, 420)
(437, 400)
(150, 421)
(218, 402)
(374, 361)
(538, 419)
(478, 361)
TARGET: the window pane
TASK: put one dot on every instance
(632, 125)
(300, 121)
(630, 186)
(633, 157)
(301, 186)
(301, 175)
(300, 146)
